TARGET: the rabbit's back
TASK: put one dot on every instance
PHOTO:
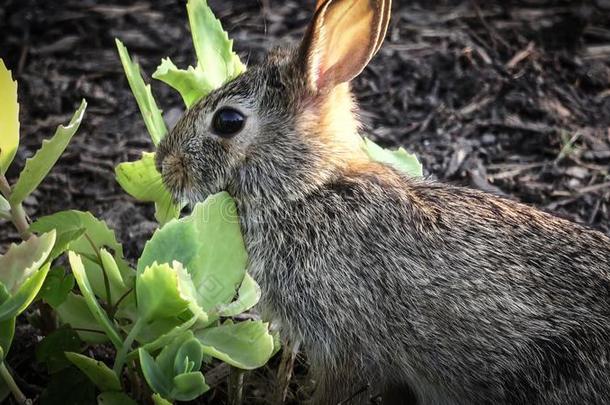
(467, 297)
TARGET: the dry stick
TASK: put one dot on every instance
(284, 373)
(236, 386)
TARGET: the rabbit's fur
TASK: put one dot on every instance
(444, 294)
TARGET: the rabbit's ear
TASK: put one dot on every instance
(341, 40)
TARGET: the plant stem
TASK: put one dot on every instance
(284, 374)
(12, 385)
(18, 215)
(236, 386)
(122, 354)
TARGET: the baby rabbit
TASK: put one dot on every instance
(433, 293)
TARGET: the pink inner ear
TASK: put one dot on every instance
(343, 38)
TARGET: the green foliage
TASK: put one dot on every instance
(141, 180)
(23, 260)
(51, 350)
(246, 345)
(38, 166)
(175, 374)
(148, 107)
(56, 287)
(399, 159)
(114, 398)
(9, 118)
(209, 244)
(98, 372)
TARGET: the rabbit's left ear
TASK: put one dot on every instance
(341, 40)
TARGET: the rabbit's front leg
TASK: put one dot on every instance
(342, 386)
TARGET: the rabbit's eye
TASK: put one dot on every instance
(227, 122)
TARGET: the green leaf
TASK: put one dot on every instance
(246, 345)
(37, 167)
(142, 181)
(75, 312)
(247, 296)
(69, 386)
(115, 278)
(114, 398)
(7, 332)
(99, 374)
(93, 231)
(192, 84)
(24, 296)
(148, 107)
(400, 159)
(9, 118)
(5, 208)
(56, 287)
(209, 245)
(212, 44)
(189, 357)
(50, 350)
(92, 235)
(153, 375)
(188, 386)
(21, 261)
(159, 400)
(158, 293)
(101, 317)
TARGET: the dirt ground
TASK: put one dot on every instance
(512, 97)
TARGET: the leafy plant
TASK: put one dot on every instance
(25, 266)
(168, 316)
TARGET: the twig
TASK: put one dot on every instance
(284, 373)
(520, 56)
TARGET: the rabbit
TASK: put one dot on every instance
(398, 288)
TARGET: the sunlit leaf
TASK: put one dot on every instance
(146, 102)
(99, 373)
(98, 313)
(247, 296)
(91, 235)
(188, 386)
(142, 181)
(37, 167)
(24, 295)
(246, 345)
(158, 293)
(210, 246)
(212, 44)
(400, 159)
(9, 118)
(21, 261)
(192, 84)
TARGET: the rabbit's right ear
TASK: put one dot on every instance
(341, 40)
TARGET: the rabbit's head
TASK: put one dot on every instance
(285, 126)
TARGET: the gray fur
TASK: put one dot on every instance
(464, 297)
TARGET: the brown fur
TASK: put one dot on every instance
(424, 291)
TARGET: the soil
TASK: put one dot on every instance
(511, 97)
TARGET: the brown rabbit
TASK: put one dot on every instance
(438, 294)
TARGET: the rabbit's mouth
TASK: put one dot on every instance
(175, 174)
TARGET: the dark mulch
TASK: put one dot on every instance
(512, 97)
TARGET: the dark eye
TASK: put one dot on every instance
(227, 122)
